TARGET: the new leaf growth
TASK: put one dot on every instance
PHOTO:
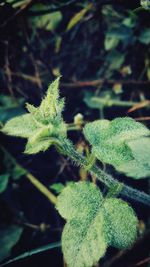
(43, 126)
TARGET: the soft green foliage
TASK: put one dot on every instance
(140, 167)
(22, 126)
(118, 142)
(77, 195)
(9, 237)
(4, 178)
(42, 125)
(145, 4)
(84, 242)
(122, 221)
(93, 223)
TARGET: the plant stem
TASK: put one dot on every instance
(32, 252)
(41, 188)
(112, 102)
(105, 178)
(98, 82)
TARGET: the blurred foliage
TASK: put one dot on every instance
(9, 237)
(10, 107)
(12, 170)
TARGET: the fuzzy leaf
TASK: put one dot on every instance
(37, 146)
(84, 239)
(93, 223)
(43, 124)
(110, 142)
(141, 150)
(51, 106)
(140, 167)
(84, 242)
(122, 222)
(77, 199)
(22, 126)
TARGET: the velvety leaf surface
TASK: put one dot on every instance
(22, 126)
(93, 223)
(42, 124)
(77, 200)
(122, 222)
(84, 242)
(119, 142)
(140, 167)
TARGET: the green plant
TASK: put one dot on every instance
(94, 220)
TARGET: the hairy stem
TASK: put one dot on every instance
(105, 178)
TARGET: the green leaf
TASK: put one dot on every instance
(141, 150)
(9, 237)
(57, 187)
(84, 239)
(37, 146)
(122, 222)
(84, 242)
(145, 4)
(43, 125)
(51, 106)
(123, 129)
(22, 126)
(130, 22)
(84, 195)
(4, 178)
(78, 17)
(93, 223)
(110, 142)
(110, 42)
(49, 21)
(140, 167)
